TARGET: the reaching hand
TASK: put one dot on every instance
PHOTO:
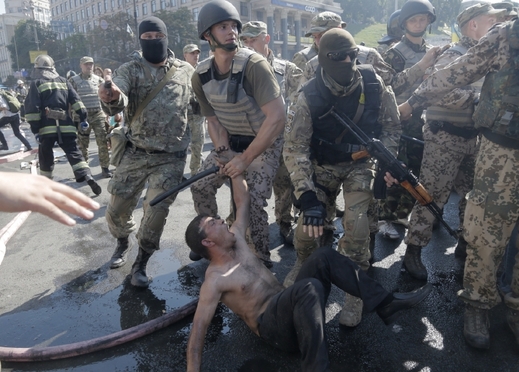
(313, 220)
(108, 91)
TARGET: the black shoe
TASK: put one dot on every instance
(96, 189)
(194, 256)
(476, 327)
(413, 262)
(105, 173)
(403, 301)
(120, 254)
(139, 277)
(4, 147)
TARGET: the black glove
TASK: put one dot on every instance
(313, 210)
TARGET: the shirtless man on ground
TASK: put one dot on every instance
(290, 318)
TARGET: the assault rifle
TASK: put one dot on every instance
(391, 164)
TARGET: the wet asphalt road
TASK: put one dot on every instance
(56, 288)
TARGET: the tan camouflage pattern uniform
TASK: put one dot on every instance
(448, 160)
(355, 177)
(302, 57)
(493, 204)
(156, 152)
(282, 185)
(96, 117)
(196, 127)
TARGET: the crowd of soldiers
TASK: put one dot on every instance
(450, 114)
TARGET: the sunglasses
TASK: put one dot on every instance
(341, 56)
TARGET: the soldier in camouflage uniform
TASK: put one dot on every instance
(319, 153)
(394, 33)
(450, 140)
(414, 18)
(254, 35)
(195, 121)
(158, 138)
(86, 85)
(493, 204)
(319, 24)
(241, 100)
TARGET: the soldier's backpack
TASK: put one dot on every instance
(12, 101)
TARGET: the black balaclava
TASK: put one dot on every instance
(156, 50)
(333, 41)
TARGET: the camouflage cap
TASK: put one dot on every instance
(509, 7)
(476, 10)
(325, 21)
(190, 48)
(253, 29)
(86, 59)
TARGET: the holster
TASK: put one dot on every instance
(56, 114)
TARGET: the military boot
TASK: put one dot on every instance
(139, 277)
(413, 262)
(120, 254)
(96, 189)
(512, 318)
(476, 327)
(461, 248)
(351, 313)
(105, 173)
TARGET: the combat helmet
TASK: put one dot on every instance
(44, 61)
(394, 32)
(414, 7)
(215, 12)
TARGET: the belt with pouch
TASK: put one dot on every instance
(466, 132)
(178, 154)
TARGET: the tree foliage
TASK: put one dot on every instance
(181, 30)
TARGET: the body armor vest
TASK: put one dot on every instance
(362, 57)
(411, 58)
(308, 53)
(458, 117)
(331, 142)
(280, 67)
(87, 90)
(236, 111)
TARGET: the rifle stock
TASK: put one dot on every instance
(391, 164)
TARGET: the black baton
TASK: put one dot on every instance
(184, 184)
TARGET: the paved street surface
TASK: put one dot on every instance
(56, 288)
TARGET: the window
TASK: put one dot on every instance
(82, 13)
(144, 9)
(88, 12)
(162, 4)
(183, 1)
(75, 3)
(244, 9)
(66, 7)
(173, 3)
(93, 10)
(153, 6)
(112, 3)
(105, 3)
(259, 15)
(99, 9)
(195, 14)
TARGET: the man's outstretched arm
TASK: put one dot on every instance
(241, 199)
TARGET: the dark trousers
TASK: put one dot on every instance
(294, 319)
(15, 125)
(69, 146)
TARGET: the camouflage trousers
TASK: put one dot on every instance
(399, 203)
(196, 126)
(491, 214)
(160, 172)
(97, 124)
(283, 194)
(259, 176)
(356, 179)
(448, 163)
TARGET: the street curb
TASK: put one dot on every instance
(17, 156)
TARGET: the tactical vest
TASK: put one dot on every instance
(362, 57)
(280, 68)
(411, 58)
(308, 53)
(236, 111)
(458, 117)
(331, 142)
(498, 108)
(87, 90)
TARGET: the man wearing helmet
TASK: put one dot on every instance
(46, 107)
(414, 18)
(153, 89)
(21, 93)
(241, 99)
(394, 32)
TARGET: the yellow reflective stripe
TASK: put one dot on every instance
(52, 85)
(33, 117)
(78, 106)
(80, 165)
(54, 130)
(47, 174)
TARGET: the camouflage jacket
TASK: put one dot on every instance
(299, 131)
(292, 77)
(302, 57)
(489, 55)
(162, 125)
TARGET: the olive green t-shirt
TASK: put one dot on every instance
(259, 83)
